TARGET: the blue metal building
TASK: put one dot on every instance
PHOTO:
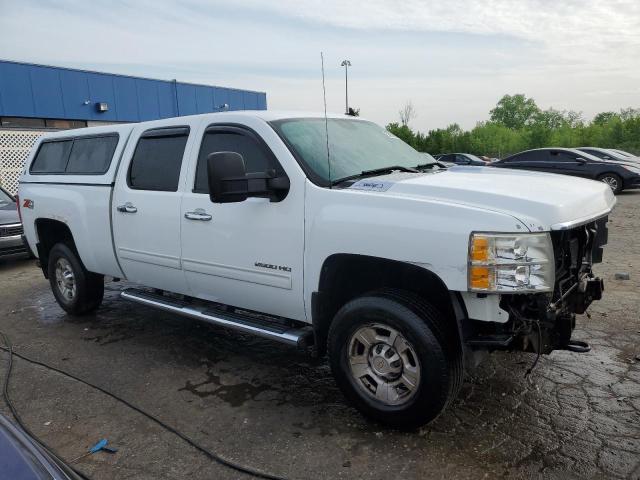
(43, 96)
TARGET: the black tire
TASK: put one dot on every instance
(613, 180)
(89, 287)
(434, 342)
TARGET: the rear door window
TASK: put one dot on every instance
(157, 160)
(91, 155)
(52, 157)
(535, 156)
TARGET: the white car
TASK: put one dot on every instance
(328, 233)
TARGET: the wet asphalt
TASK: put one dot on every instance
(274, 408)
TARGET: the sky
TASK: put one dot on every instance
(453, 59)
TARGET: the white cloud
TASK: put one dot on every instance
(454, 59)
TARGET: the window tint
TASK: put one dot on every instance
(535, 156)
(563, 157)
(157, 160)
(91, 155)
(51, 157)
(256, 159)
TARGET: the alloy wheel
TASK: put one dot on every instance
(65, 279)
(611, 181)
(384, 364)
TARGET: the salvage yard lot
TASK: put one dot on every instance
(275, 409)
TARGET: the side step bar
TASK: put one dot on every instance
(256, 325)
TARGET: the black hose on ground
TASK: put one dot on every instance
(212, 455)
(18, 419)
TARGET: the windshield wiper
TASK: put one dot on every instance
(375, 171)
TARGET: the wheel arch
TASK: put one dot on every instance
(50, 232)
(347, 276)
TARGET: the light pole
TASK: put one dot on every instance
(346, 64)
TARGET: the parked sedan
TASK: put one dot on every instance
(22, 457)
(11, 235)
(569, 161)
(461, 159)
(609, 154)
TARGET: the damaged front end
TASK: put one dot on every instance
(543, 322)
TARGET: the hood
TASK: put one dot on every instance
(542, 201)
(9, 214)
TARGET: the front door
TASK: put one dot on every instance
(146, 210)
(249, 253)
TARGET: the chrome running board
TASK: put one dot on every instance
(254, 324)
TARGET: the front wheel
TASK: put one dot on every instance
(77, 290)
(392, 357)
(613, 180)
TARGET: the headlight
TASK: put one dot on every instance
(511, 263)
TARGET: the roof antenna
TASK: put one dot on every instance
(326, 122)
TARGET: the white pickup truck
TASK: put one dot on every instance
(326, 233)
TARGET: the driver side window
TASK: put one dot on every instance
(256, 158)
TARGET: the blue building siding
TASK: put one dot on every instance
(50, 92)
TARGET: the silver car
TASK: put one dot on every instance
(11, 234)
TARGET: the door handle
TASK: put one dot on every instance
(198, 214)
(127, 208)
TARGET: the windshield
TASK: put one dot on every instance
(354, 146)
(5, 199)
(626, 154)
(619, 155)
(474, 157)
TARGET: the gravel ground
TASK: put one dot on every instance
(275, 409)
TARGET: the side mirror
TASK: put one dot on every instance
(227, 177)
(581, 160)
(229, 181)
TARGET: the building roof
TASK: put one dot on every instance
(38, 91)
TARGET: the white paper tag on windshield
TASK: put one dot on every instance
(372, 185)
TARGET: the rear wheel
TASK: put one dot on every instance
(77, 290)
(392, 358)
(613, 180)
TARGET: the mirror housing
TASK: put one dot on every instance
(581, 160)
(229, 181)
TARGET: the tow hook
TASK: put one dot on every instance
(577, 346)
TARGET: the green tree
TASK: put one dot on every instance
(604, 117)
(514, 111)
(542, 128)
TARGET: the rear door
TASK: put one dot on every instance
(146, 208)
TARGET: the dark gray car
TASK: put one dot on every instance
(568, 161)
(11, 234)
